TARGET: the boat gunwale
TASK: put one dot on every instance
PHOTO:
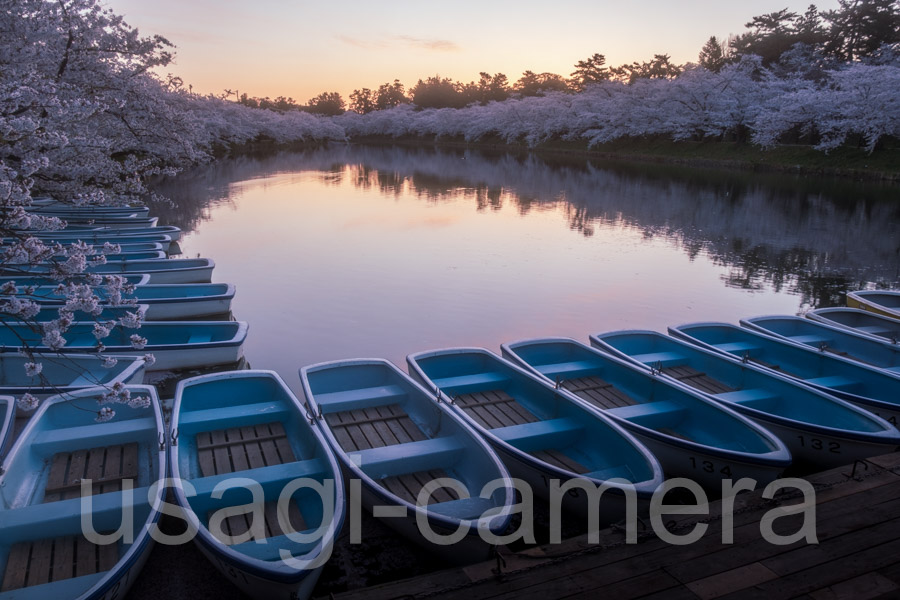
(277, 571)
(876, 403)
(143, 539)
(241, 329)
(643, 489)
(754, 324)
(499, 521)
(887, 429)
(779, 456)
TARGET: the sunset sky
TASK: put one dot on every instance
(298, 48)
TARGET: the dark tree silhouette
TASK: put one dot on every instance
(534, 84)
(591, 70)
(390, 95)
(437, 92)
(326, 103)
(362, 101)
(713, 55)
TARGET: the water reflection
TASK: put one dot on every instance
(807, 236)
(405, 249)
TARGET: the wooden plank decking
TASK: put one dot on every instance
(239, 449)
(598, 392)
(242, 448)
(44, 561)
(387, 425)
(496, 408)
(857, 555)
(697, 379)
(106, 467)
(54, 559)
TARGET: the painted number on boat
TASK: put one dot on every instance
(709, 467)
(817, 444)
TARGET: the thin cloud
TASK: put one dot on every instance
(428, 43)
(359, 43)
(434, 45)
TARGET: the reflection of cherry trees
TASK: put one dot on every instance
(768, 231)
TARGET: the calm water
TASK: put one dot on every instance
(380, 251)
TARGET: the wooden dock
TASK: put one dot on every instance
(857, 518)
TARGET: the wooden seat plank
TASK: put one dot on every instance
(94, 468)
(63, 558)
(295, 519)
(220, 452)
(513, 408)
(16, 567)
(85, 557)
(76, 470)
(112, 469)
(39, 565)
(598, 392)
(59, 467)
(408, 486)
(56, 559)
(103, 466)
(251, 448)
(108, 556)
(559, 459)
(381, 423)
(130, 461)
(205, 456)
(697, 379)
(495, 408)
(341, 434)
(239, 458)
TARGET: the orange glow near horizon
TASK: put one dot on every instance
(297, 50)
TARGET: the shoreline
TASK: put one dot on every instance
(844, 163)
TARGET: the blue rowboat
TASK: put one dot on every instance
(170, 270)
(870, 388)
(819, 429)
(834, 340)
(36, 281)
(175, 345)
(49, 313)
(7, 415)
(543, 437)
(65, 373)
(395, 438)
(690, 435)
(125, 248)
(118, 257)
(240, 438)
(860, 321)
(121, 222)
(880, 302)
(93, 209)
(117, 222)
(163, 301)
(170, 230)
(46, 551)
(98, 237)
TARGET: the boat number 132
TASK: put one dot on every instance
(817, 444)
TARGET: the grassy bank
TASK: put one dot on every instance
(883, 164)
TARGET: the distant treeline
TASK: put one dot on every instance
(785, 41)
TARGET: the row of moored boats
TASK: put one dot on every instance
(264, 475)
(185, 317)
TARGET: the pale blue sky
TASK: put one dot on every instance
(301, 48)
